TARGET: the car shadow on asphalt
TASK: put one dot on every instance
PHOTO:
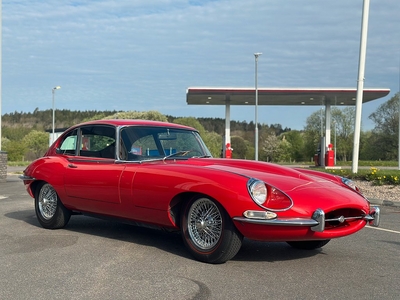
(170, 242)
(272, 252)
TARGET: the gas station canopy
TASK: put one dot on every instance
(326, 97)
(280, 96)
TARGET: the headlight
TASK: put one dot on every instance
(258, 191)
(351, 184)
(268, 196)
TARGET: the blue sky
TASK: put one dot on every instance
(143, 55)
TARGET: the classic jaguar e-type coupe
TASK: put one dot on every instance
(162, 174)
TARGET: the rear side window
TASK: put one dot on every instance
(68, 145)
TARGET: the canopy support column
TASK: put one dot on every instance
(227, 125)
(327, 124)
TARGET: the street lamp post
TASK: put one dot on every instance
(256, 55)
(334, 145)
(53, 91)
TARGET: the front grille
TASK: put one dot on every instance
(342, 218)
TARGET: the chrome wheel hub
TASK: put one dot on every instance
(204, 224)
(47, 202)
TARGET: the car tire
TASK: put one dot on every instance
(208, 231)
(308, 245)
(50, 211)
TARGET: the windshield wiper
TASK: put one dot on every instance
(179, 153)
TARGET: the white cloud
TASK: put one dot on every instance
(144, 54)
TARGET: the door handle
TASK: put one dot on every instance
(72, 166)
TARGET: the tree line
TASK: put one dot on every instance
(26, 134)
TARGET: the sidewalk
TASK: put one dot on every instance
(11, 170)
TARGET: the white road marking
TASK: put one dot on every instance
(383, 229)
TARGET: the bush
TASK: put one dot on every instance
(374, 175)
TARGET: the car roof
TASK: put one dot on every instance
(135, 122)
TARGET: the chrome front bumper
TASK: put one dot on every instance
(317, 221)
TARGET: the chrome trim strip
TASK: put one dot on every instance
(368, 218)
(281, 222)
(342, 219)
(24, 177)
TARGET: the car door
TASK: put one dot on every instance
(93, 174)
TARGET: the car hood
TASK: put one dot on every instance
(302, 185)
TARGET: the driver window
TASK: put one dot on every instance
(98, 141)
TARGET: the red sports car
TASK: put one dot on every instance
(162, 175)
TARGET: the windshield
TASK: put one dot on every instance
(146, 143)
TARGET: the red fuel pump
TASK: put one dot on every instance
(228, 151)
(330, 157)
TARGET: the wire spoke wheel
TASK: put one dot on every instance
(208, 232)
(50, 211)
(204, 224)
(47, 202)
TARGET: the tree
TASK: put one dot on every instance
(313, 132)
(15, 150)
(342, 125)
(191, 122)
(142, 115)
(239, 147)
(344, 120)
(212, 140)
(385, 134)
(36, 142)
(285, 150)
(270, 146)
(296, 140)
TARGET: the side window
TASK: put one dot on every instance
(68, 145)
(98, 141)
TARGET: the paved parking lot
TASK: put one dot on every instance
(96, 259)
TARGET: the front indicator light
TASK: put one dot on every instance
(263, 215)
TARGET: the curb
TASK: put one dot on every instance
(389, 203)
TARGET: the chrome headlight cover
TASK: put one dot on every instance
(257, 190)
(351, 184)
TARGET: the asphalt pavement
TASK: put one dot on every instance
(97, 259)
